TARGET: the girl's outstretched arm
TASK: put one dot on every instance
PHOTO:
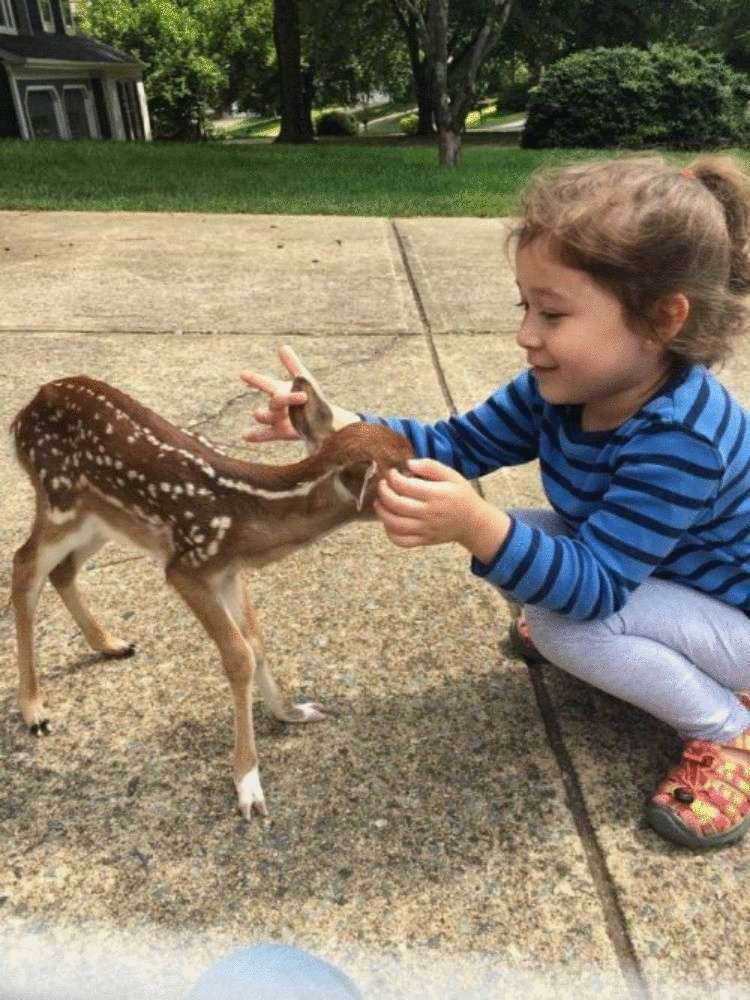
(504, 430)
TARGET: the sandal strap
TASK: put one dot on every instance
(708, 790)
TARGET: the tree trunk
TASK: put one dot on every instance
(449, 147)
(296, 121)
(420, 71)
(452, 101)
(425, 105)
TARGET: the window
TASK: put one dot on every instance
(7, 20)
(45, 12)
(67, 16)
(43, 108)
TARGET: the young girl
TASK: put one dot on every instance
(637, 580)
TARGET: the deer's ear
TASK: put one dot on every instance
(356, 480)
(371, 471)
(313, 420)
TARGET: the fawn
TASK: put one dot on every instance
(104, 466)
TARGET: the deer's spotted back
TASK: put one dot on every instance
(78, 433)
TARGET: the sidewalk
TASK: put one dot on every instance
(464, 826)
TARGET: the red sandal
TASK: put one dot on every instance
(704, 801)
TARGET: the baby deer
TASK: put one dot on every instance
(103, 466)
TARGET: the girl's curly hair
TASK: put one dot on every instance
(644, 229)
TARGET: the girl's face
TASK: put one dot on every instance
(578, 343)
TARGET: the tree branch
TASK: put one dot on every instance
(416, 12)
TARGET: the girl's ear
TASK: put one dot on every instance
(671, 315)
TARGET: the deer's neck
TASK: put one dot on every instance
(289, 520)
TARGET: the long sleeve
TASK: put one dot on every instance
(662, 484)
(504, 430)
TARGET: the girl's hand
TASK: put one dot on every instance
(436, 506)
(280, 396)
(276, 414)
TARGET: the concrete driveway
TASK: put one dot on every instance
(463, 826)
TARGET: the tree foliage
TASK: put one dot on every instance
(197, 53)
(733, 35)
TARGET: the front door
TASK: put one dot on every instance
(75, 109)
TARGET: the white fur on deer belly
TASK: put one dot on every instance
(62, 516)
(86, 532)
(157, 551)
(248, 788)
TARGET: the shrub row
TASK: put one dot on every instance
(670, 96)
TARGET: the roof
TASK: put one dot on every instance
(66, 48)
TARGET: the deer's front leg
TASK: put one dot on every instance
(206, 601)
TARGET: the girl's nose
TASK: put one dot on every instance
(527, 337)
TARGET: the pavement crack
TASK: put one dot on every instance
(426, 326)
(614, 918)
(224, 408)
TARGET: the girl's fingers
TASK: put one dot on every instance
(260, 436)
(405, 541)
(293, 364)
(281, 401)
(396, 504)
(257, 381)
(395, 524)
(410, 486)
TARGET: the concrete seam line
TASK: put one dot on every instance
(425, 320)
(614, 918)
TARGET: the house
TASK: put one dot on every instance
(57, 84)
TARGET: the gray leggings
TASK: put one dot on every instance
(671, 651)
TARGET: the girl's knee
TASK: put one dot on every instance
(558, 637)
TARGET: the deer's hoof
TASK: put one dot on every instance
(250, 809)
(124, 653)
(308, 711)
(250, 795)
(39, 728)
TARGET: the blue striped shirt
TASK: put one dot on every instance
(667, 493)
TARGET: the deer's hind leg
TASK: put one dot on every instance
(63, 578)
(47, 546)
(238, 601)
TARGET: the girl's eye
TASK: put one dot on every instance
(550, 317)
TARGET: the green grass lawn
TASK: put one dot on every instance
(325, 178)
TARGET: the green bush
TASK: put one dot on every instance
(336, 121)
(670, 96)
(409, 124)
(514, 97)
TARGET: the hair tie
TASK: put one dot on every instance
(690, 174)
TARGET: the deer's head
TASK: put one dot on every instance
(362, 453)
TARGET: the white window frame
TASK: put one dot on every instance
(7, 11)
(62, 123)
(88, 103)
(48, 23)
(66, 12)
